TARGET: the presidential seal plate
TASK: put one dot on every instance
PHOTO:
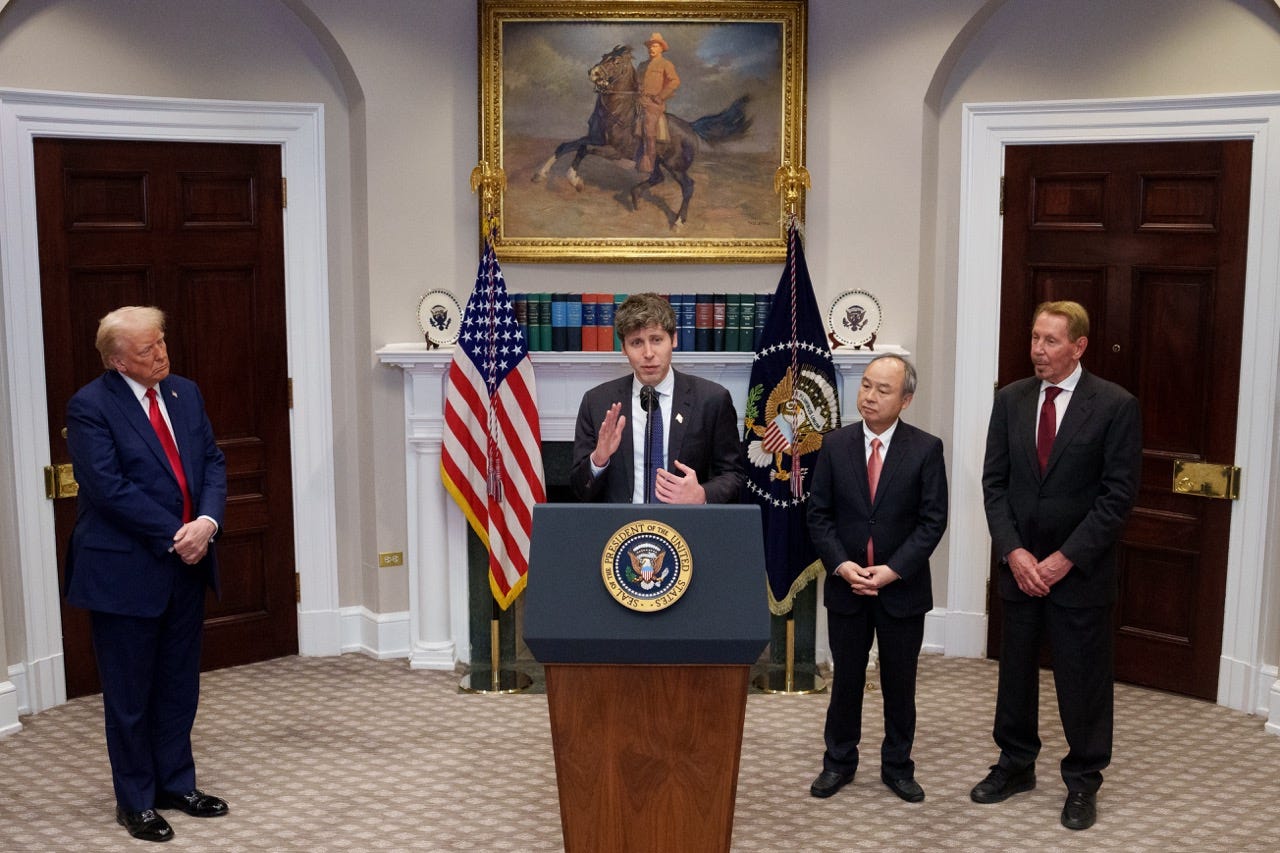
(854, 317)
(440, 317)
(646, 565)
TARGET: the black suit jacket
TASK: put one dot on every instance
(906, 520)
(703, 434)
(1080, 504)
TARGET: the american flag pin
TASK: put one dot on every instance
(679, 418)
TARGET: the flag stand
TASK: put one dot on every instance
(784, 681)
(495, 679)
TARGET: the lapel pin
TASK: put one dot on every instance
(679, 418)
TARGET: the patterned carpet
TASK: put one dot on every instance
(356, 754)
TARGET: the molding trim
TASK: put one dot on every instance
(378, 635)
(299, 130)
(9, 723)
(987, 128)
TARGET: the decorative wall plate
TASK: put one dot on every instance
(440, 317)
(855, 317)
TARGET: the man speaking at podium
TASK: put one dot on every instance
(659, 435)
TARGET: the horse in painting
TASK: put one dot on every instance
(613, 132)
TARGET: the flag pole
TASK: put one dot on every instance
(490, 181)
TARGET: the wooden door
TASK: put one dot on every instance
(195, 229)
(1151, 239)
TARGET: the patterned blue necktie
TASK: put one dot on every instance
(656, 460)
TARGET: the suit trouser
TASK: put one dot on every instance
(850, 636)
(1081, 640)
(150, 671)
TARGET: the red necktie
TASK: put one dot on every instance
(1048, 427)
(170, 450)
(873, 480)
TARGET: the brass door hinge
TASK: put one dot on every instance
(297, 587)
(284, 193)
(60, 481)
(1002, 195)
(290, 381)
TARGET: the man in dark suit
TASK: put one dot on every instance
(1064, 455)
(152, 492)
(875, 546)
(697, 433)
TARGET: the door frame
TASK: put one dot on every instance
(1247, 681)
(299, 130)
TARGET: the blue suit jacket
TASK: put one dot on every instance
(129, 504)
(906, 519)
(703, 434)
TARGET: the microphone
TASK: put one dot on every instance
(648, 400)
(648, 397)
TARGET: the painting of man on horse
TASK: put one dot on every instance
(721, 163)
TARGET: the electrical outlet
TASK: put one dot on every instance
(390, 558)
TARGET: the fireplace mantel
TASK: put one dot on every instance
(437, 544)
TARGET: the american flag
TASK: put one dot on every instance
(492, 457)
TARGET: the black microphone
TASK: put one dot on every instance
(648, 399)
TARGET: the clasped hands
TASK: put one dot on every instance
(866, 580)
(191, 542)
(1036, 577)
(682, 488)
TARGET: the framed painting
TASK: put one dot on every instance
(641, 131)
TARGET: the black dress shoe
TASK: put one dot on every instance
(907, 788)
(1080, 810)
(828, 782)
(1001, 784)
(145, 825)
(194, 802)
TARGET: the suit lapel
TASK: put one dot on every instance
(181, 427)
(681, 413)
(626, 448)
(1079, 408)
(1025, 420)
(132, 413)
(892, 462)
(861, 487)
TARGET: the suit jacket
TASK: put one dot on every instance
(906, 520)
(703, 434)
(1080, 504)
(129, 504)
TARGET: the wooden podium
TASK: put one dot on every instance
(647, 707)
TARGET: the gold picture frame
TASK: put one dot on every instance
(737, 116)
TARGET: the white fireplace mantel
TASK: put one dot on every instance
(437, 544)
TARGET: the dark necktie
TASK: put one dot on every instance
(873, 480)
(170, 450)
(656, 462)
(1048, 427)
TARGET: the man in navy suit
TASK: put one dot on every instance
(1064, 457)
(699, 433)
(876, 548)
(152, 492)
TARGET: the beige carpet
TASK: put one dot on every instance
(355, 754)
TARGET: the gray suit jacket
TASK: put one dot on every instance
(703, 434)
(1081, 503)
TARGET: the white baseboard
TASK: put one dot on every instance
(1269, 698)
(9, 708)
(378, 635)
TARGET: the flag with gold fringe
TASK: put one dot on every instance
(491, 461)
(792, 402)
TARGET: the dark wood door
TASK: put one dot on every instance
(1151, 239)
(195, 229)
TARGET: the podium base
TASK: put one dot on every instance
(486, 680)
(800, 681)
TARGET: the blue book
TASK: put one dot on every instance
(573, 322)
(559, 322)
(763, 301)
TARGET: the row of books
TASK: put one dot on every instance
(583, 322)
